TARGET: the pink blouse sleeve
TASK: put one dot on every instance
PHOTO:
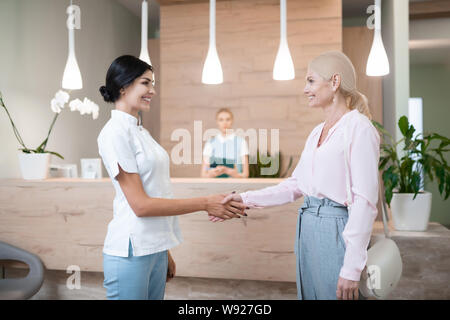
(284, 192)
(364, 155)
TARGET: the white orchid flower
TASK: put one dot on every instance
(85, 107)
(75, 105)
(58, 102)
(55, 106)
(95, 111)
(62, 97)
(91, 108)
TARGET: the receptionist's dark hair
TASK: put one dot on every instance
(122, 72)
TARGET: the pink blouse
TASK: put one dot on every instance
(320, 173)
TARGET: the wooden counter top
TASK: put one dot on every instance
(173, 180)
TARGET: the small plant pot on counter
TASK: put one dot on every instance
(409, 214)
(34, 166)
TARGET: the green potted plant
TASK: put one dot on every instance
(260, 161)
(34, 163)
(422, 157)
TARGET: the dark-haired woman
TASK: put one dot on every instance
(136, 259)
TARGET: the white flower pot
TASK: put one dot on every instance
(409, 214)
(34, 165)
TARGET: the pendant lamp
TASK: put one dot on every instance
(144, 56)
(212, 69)
(283, 68)
(72, 76)
(377, 63)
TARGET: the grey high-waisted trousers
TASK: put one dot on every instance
(319, 248)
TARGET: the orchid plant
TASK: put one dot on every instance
(57, 104)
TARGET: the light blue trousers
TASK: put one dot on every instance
(135, 278)
(319, 248)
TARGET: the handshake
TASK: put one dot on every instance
(222, 207)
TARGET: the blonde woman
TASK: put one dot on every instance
(225, 155)
(331, 245)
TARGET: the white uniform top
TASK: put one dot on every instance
(229, 147)
(123, 142)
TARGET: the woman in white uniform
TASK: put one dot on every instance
(136, 259)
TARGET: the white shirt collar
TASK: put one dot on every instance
(228, 137)
(123, 116)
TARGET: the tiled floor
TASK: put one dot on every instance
(426, 275)
(201, 288)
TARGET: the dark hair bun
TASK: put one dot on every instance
(121, 73)
(105, 93)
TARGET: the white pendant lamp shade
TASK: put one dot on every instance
(144, 56)
(212, 69)
(72, 76)
(377, 63)
(283, 68)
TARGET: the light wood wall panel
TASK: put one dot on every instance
(357, 42)
(247, 42)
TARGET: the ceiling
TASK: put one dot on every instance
(350, 8)
(135, 6)
(425, 44)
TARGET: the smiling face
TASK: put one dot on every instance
(224, 121)
(139, 93)
(318, 90)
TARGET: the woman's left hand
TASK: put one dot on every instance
(231, 171)
(347, 289)
(171, 268)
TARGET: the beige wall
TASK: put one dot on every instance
(247, 42)
(152, 120)
(33, 54)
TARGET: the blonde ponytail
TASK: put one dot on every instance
(359, 101)
(335, 62)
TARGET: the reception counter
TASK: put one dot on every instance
(64, 222)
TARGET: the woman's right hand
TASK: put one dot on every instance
(217, 207)
(231, 198)
(235, 197)
(214, 172)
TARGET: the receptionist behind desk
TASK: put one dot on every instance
(225, 155)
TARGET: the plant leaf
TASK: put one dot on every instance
(54, 153)
(403, 125)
